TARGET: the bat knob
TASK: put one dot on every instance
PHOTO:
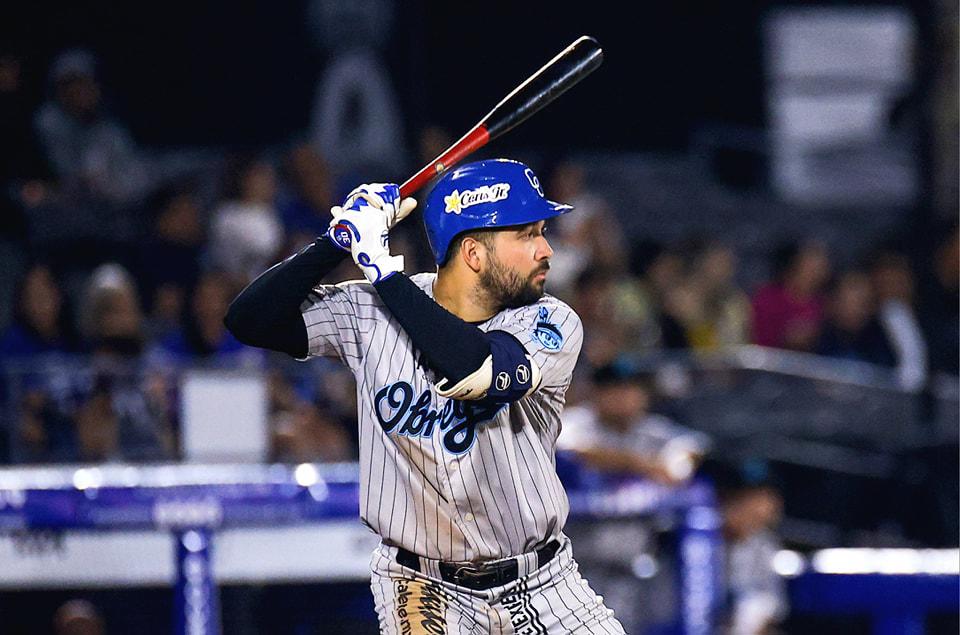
(340, 234)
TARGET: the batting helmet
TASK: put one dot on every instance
(485, 194)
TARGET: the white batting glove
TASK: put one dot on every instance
(383, 198)
(367, 232)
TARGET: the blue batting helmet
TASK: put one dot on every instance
(485, 194)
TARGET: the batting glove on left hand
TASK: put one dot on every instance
(382, 198)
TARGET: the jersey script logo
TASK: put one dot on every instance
(397, 411)
(458, 201)
(547, 332)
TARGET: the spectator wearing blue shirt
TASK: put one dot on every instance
(168, 261)
(35, 388)
(202, 338)
(852, 330)
(305, 205)
(124, 411)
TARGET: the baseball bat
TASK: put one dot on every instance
(555, 77)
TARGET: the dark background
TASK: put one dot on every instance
(218, 72)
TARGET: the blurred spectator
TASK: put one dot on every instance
(893, 283)
(309, 433)
(169, 258)
(657, 299)
(21, 172)
(661, 267)
(106, 408)
(246, 235)
(940, 304)
(616, 432)
(625, 312)
(305, 210)
(592, 237)
(852, 330)
(125, 412)
(431, 142)
(92, 155)
(41, 322)
(303, 431)
(111, 319)
(752, 508)
(20, 159)
(722, 313)
(78, 617)
(39, 336)
(37, 390)
(614, 437)
(202, 336)
(788, 312)
(592, 300)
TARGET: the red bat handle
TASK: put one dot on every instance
(473, 140)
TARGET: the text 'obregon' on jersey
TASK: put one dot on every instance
(450, 480)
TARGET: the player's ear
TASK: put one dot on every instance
(472, 252)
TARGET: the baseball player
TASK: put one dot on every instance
(461, 376)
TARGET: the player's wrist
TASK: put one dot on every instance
(378, 267)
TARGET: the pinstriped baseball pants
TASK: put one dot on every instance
(550, 600)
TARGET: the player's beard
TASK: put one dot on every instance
(507, 288)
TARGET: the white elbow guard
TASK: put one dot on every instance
(473, 386)
(535, 376)
(477, 384)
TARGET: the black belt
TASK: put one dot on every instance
(482, 575)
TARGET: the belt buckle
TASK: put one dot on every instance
(465, 575)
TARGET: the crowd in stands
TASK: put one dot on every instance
(135, 273)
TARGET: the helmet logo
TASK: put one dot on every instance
(458, 201)
(534, 181)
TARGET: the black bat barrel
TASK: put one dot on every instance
(572, 64)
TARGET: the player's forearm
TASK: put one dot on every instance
(267, 313)
(451, 347)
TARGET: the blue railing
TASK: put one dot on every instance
(194, 502)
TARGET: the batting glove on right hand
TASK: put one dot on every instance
(366, 234)
(380, 198)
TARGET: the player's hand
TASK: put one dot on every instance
(383, 196)
(365, 231)
(375, 198)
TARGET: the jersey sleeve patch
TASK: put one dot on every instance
(546, 332)
(552, 334)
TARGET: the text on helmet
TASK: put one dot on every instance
(458, 201)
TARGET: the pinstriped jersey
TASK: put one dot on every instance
(446, 479)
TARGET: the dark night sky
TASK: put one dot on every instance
(244, 72)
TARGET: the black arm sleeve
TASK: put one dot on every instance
(267, 313)
(450, 347)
